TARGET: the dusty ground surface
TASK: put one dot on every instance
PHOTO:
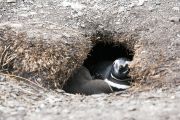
(62, 25)
(18, 101)
(156, 23)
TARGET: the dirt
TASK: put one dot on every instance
(156, 23)
(20, 101)
(149, 28)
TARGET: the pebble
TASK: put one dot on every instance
(141, 2)
(151, 9)
(178, 35)
(158, 3)
(175, 19)
(66, 35)
(121, 9)
(82, 25)
(13, 25)
(176, 8)
(172, 97)
(132, 109)
(42, 105)
(11, 1)
(20, 108)
(2, 78)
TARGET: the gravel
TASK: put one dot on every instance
(19, 101)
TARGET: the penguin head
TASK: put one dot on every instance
(120, 68)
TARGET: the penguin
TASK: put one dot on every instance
(113, 73)
(81, 82)
(111, 77)
(119, 69)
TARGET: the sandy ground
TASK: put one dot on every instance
(156, 22)
(19, 101)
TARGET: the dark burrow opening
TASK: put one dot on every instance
(93, 77)
(103, 51)
(85, 81)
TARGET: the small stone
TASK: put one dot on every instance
(42, 105)
(132, 5)
(151, 9)
(65, 111)
(66, 35)
(178, 35)
(141, 2)
(172, 97)
(175, 19)
(176, 8)
(15, 25)
(121, 9)
(23, 15)
(11, 1)
(2, 78)
(158, 3)
(132, 109)
(117, 23)
(83, 25)
(80, 13)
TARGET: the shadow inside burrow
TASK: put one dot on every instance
(104, 49)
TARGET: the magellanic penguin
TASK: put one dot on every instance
(81, 82)
(109, 77)
(114, 73)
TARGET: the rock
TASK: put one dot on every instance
(175, 19)
(158, 3)
(11, 1)
(132, 109)
(121, 9)
(178, 35)
(176, 8)
(2, 78)
(141, 2)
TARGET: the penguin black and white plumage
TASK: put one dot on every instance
(108, 77)
(114, 73)
(81, 82)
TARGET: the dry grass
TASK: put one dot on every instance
(28, 82)
(50, 63)
(46, 61)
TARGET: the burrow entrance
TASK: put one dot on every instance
(109, 46)
(105, 48)
(107, 52)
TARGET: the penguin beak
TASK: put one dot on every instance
(126, 71)
(125, 68)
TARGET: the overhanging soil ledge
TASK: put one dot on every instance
(45, 45)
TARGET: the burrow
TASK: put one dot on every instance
(109, 46)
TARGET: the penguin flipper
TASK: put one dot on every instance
(79, 77)
(95, 87)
